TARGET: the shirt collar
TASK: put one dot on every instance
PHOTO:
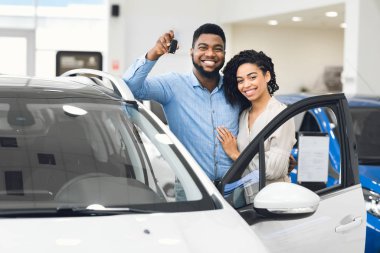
(195, 82)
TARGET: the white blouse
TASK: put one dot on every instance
(277, 147)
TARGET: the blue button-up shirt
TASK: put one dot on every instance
(192, 112)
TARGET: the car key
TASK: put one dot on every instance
(173, 46)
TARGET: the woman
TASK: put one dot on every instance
(250, 81)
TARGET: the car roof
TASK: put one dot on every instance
(57, 87)
(353, 101)
(364, 101)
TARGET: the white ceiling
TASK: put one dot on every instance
(311, 18)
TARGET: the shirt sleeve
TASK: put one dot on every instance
(147, 88)
(280, 145)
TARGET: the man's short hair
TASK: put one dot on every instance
(209, 29)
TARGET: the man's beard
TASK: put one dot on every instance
(213, 74)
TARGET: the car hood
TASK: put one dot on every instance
(369, 177)
(206, 231)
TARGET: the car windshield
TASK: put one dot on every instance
(90, 153)
(366, 124)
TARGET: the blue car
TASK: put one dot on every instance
(365, 113)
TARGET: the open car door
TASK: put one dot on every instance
(324, 210)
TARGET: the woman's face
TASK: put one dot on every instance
(252, 82)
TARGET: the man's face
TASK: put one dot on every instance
(208, 55)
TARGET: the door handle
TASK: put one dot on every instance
(354, 223)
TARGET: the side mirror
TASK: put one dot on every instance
(285, 199)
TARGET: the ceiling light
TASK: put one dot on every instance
(296, 19)
(273, 22)
(331, 14)
(343, 25)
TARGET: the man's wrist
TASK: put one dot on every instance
(151, 56)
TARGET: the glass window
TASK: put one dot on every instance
(366, 125)
(66, 151)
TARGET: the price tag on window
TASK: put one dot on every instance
(313, 158)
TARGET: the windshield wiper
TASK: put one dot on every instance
(69, 212)
(101, 211)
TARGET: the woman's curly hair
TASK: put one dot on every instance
(263, 62)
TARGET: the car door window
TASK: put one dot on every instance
(320, 121)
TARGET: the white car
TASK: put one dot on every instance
(86, 168)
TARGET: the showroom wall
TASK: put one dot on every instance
(130, 34)
(138, 27)
(141, 22)
(362, 51)
(300, 55)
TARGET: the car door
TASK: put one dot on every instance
(338, 223)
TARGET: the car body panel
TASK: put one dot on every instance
(369, 177)
(317, 232)
(205, 231)
(372, 233)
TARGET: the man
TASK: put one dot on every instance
(194, 103)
